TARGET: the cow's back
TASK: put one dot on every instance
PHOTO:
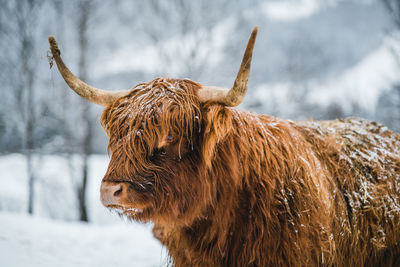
(363, 159)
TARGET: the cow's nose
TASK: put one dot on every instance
(111, 193)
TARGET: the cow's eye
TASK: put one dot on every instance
(160, 152)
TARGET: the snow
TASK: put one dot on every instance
(368, 79)
(33, 241)
(53, 237)
(362, 84)
(147, 58)
(290, 10)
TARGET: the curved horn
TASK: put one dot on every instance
(232, 97)
(86, 91)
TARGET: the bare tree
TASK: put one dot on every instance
(388, 108)
(19, 26)
(304, 59)
(65, 103)
(393, 7)
(184, 34)
(84, 14)
(26, 23)
(77, 129)
(391, 99)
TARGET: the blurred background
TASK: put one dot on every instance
(313, 59)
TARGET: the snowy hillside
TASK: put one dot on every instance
(362, 83)
(53, 237)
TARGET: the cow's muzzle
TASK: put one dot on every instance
(113, 194)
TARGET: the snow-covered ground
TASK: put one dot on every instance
(53, 237)
(34, 241)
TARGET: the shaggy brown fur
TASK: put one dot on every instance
(229, 188)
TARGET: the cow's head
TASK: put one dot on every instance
(162, 136)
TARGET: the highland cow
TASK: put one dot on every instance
(226, 187)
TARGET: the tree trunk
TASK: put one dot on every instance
(27, 84)
(86, 152)
(29, 146)
(84, 9)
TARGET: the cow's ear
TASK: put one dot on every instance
(217, 125)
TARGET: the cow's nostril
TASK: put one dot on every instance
(112, 193)
(118, 192)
